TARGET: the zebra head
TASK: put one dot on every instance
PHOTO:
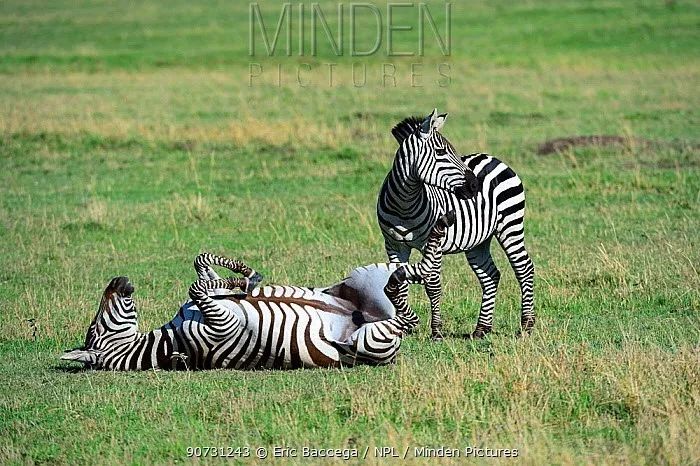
(116, 323)
(426, 156)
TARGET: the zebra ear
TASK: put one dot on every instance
(87, 357)
(429, 122)
(439, 122)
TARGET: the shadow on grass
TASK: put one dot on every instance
(469, 336)
(71, 369)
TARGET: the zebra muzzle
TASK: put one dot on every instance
(121, 285)
(463, 192)
(470, 187)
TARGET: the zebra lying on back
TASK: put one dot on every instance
(358, 321)
(428, 179)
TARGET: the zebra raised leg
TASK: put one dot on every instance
(426, 272)
(220, 321)
(481, 262)
(204, 261)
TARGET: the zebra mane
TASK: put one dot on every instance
(412, 124)
(406, 127)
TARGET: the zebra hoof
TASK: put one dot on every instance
(526, 327)
(524, 332)
(253, 282)
(478, 334)
(437, 337)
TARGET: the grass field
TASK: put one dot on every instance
(131, 140)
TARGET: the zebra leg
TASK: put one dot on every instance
(482, 264)
(525, 273)
(202, 265)
(400, 254)
(426, 272)
(219, 320)
(396, 290)
(432, 263)
(204, 261)
(433, 289)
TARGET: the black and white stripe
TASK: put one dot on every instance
(428, 179)
(359, 320)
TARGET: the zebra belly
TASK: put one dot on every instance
(476, 223)
(279, 335)
(285, 328)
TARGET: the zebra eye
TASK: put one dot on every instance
(441, 151)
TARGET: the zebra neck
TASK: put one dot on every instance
(407, 192)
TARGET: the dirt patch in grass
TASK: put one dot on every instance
(683, 153)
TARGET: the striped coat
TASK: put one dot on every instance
(427, 179)
(359, 320)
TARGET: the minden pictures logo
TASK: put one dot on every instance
(354, 44)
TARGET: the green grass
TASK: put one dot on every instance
(130, 141)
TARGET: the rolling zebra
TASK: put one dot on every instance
(428, 179)
(359, 320)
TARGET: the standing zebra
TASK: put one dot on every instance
(428, 179)
(358, 321)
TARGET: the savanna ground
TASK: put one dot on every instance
(130, 140)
